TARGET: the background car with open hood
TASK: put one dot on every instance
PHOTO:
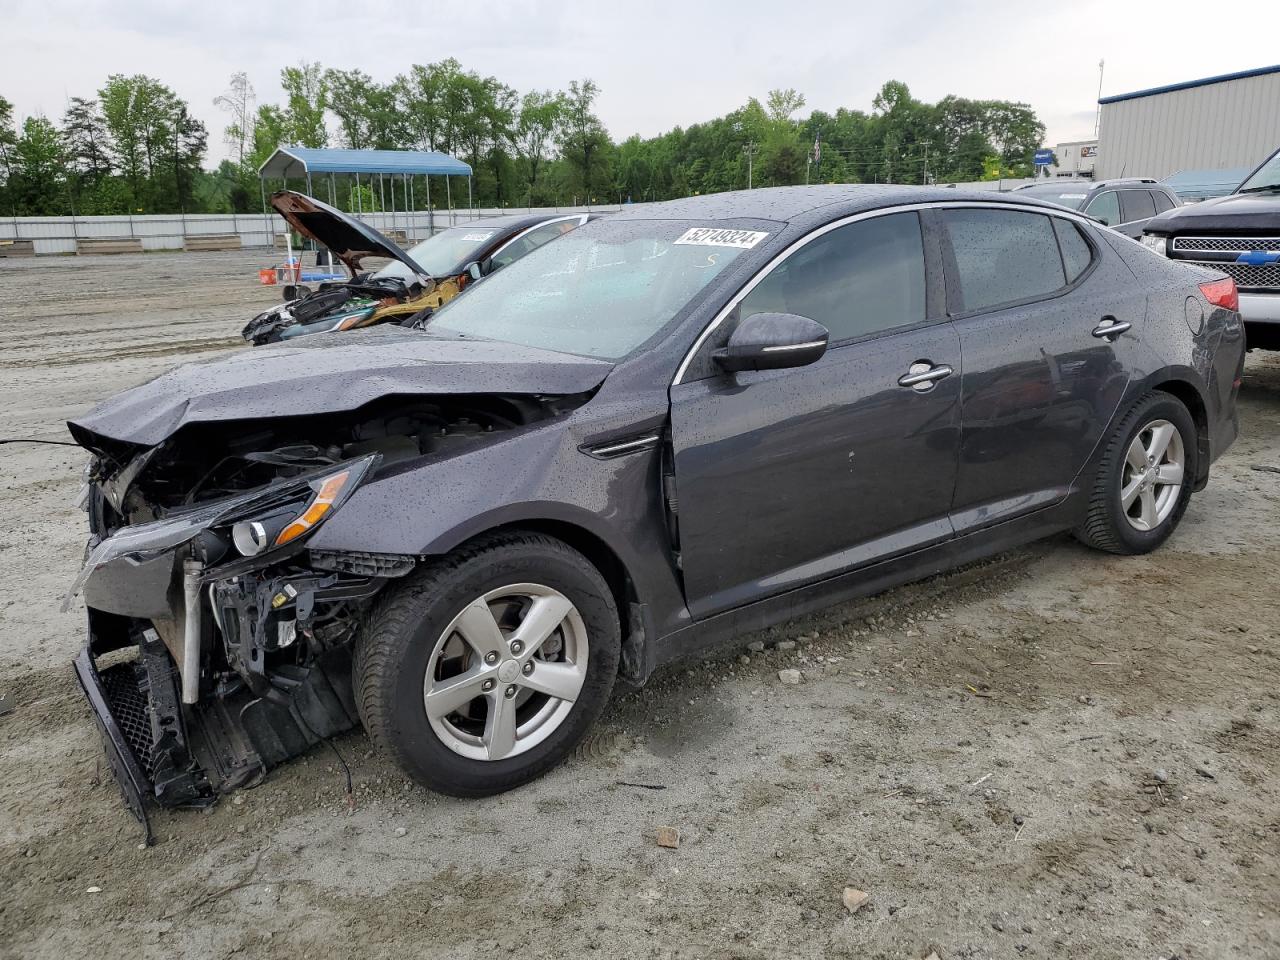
(424, 277)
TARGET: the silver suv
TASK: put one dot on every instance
(1123, 205)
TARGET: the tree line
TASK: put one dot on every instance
(134, 147)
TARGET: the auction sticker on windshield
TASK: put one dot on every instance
(478, 237)
(715, 237)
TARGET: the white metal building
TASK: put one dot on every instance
(1227, 121)
(1076, 158)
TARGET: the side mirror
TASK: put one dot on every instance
(773, 341)
(474, 270)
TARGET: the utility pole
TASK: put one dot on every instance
(1097, 119)
(924, 177)
(750, 151)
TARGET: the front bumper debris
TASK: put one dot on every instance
(165, 754)
(121, 721)
(204, 669)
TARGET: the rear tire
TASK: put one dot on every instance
(454, 665)
(1143, 482)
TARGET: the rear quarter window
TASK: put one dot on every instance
(1076, 252)
(1003, 256)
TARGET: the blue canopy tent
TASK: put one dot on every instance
(386, 165)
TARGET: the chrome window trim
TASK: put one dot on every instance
(826, 228)
(580, 217)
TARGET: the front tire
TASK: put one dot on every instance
(483, 670)
(1143, 482)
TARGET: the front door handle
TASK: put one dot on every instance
(1110, 328)
(924, 376)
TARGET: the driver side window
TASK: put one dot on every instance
(858, 279)
(1106, 207)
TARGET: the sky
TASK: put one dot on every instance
(658, 64)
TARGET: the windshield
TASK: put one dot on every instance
(600, 291)
(445, 253)
(1267, 177)
(1063, 194)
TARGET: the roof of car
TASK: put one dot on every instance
(785, 204)
(1079, 183)
(517, 221)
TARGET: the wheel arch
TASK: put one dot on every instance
(636, 662)
(1190, 396)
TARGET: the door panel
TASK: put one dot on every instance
(1038, 390)
(791, 476)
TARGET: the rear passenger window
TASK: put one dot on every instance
(1003, 256)
(1162, 200)
(857, 279)
(1136, 205)
(1076, 252)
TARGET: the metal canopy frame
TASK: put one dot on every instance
(302, 162)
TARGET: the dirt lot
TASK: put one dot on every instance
(1053, 754)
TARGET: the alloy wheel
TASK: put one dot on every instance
(1152, 477)
(505, 673)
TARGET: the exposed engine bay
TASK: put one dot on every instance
(235, 637)
(362, 302)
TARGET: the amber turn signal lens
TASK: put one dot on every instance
(320, 505)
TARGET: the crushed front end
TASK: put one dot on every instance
(219, 643)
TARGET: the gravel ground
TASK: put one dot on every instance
(1055, 753)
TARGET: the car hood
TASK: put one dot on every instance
(327, 374)
(1238, 211)
(350, 240)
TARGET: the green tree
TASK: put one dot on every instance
(541, 114)
(368, 118)
(8, 140)
(144, 118)
(783, 103)
(1016, 134)
(306, 89)
(87, 141)
(424, 96)
(270, 128)
(39, 174)
(583, 139)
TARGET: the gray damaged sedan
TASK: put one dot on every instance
(686, 421)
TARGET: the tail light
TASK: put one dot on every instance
(1222, 293)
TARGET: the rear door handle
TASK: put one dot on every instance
(923, 375)
(1110, 328)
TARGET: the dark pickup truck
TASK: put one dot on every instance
(1238, 234)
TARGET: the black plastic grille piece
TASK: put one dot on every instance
(123, 684)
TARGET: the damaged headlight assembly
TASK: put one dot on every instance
(280, 527)
(259, 524)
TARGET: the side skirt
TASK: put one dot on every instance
(865, 581)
